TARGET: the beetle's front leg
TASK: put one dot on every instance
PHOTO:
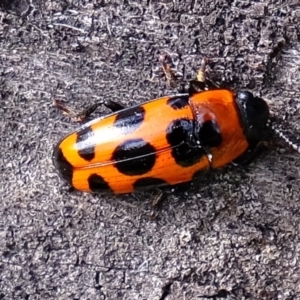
(201, 83)
(169, 73)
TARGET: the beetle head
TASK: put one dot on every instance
(254, 114)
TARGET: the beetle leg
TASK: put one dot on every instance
(247, 157)
(201, 76)
(158, 199)
(201, 83)
(156, 203)
(62, 107)
(169, 73)
(113, 106)
(82, 115)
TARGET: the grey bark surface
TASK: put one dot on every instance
(234, 233)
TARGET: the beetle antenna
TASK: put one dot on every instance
(279, 133)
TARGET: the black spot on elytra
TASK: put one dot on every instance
(209, 134)
(130, 119)
(134, 157)
(64, 168)
(180, 135)
(86, 149)
(178, 102)
(97, 183)
(148, 182)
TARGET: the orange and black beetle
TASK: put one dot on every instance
(165, 141)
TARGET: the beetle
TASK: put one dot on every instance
(162, 142)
